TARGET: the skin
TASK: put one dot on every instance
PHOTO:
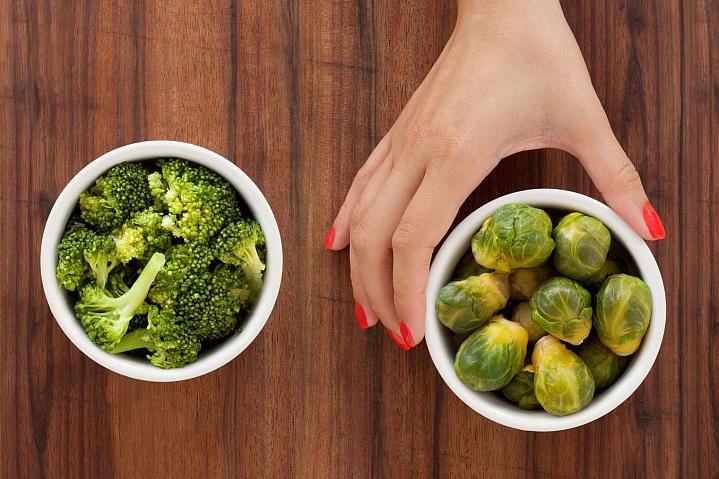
(511, 78)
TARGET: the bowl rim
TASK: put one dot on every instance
(496, 409)
(138, 368)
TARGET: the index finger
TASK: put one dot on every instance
(425, 222)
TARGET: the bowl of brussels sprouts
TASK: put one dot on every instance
(545, 310)
(161, 260)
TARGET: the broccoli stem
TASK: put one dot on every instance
(137, 339)
(253, 266)
(135, 296)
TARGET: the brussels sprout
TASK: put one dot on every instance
(605, 366)
(623, 311)
(522, 314)
(563, 384)
(582, 245)
(523, 282)
(515, 236)
(520, 390)
(467, 267)
(492, 355)
(609, 268)
(465, 305)
(562, 307)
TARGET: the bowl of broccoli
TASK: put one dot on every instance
(161, 260)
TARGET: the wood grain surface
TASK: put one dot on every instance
(297, 93)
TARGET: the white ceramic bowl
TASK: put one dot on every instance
(439, 338)
(61, 304)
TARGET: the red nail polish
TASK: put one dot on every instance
(361, 317)
(329, 239)
(397, 340)
(406, 335)
(654, 223)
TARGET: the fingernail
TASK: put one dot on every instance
(330, 238)
(397, 340)
(654, 223)
(406, 335)
(361, 317)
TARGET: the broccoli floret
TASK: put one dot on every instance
(239, 244)
(183, 261)
(141, 236)
(138, 321)
(200, 202)
(171, 342)
(71, 266)
(83, 254)
(236, 282)
(209, 304)
(106, 318)
(115, 196)
(100, 255)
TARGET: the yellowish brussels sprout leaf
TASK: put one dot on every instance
(563, 384)
(492, 355)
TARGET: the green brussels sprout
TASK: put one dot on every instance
(605, 366)
(515, 236)
(582, 246)
(520, 390)
(563, 308)
(492, 355)
(467, 267)
(523, 282)
(522, 314)
(623, 311)
(465, 305)
(563, 384)
(609, 268)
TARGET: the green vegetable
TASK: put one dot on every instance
(465, 305)
(106, 318)
(84, 254)
(115, 196)
(582, 245)
(468, 267)
(492, 355)
(239, 244)
(198, 204)
(609, 268)
(562, 307)
(623, 312)
(174, 232)
(522, 314)
(563, 384)
(184, 261)
(210, 303)
(71, 266)
(520, 390)
(171, 342)
(523, 282)
(515, 236)
(605, 366)
(141, 236)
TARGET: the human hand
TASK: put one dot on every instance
(511, 78)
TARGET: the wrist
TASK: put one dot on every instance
(497, 15)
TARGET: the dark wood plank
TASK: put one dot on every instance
(297, 94)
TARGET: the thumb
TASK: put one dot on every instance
(617, 180)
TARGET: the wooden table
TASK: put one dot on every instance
(297, 93)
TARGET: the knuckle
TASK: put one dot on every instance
(416, 134)
(404, 237)
(362, 176)
(624, 178)
(360, 240)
